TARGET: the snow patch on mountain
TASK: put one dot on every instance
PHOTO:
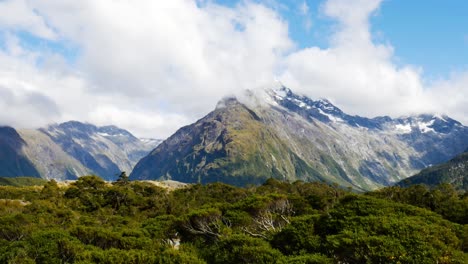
(326, 105)
(425, 127)
(330, 116)
(403, 128)
(151, 141)
(104, 134)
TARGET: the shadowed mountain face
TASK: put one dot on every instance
(276, 133)
(71, 149)
(454, 172)
(12, 159)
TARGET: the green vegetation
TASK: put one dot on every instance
(21, 181)
(454, 172)
(91, 221)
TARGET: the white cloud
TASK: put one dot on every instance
(173, 50)
(16, 107)
(353, 19)
(31, 97)
(147, 123)
(20, 103)
(450, 96)
(173, 58)
(153, 66)
(18, 15)
(355, 72)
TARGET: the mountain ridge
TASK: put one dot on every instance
(12, 159)
(72, 149)
(217, 144)
(330, 145)
(454, 172)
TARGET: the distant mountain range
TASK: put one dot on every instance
(454, 172)
(69, 150)
(274, 132)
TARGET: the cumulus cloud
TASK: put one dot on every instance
(17, 107)
(31, 97)
(354, 72)
(20, 105)
(170, 60)
(154, 66)
(148, 123)
(173, 51)
(450, 96)
(18, 15)
(360, 76)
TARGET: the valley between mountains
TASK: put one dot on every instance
(265, 133)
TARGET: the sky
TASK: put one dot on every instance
(153, 66)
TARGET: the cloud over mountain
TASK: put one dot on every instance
(153, 66)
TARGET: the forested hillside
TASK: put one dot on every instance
(21, 181)
(454, 172)
(137, 222)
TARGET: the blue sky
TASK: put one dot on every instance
(430, 33)
(154, 66)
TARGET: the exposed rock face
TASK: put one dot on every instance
(12, 159)
(276, 133)
(72, 149)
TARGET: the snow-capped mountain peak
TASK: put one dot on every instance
(279, 90)
(281, 134)
(278, 95)
(426, 123)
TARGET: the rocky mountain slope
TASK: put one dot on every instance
(454, 172)
(275, 133)
(69, 150)
(13, 161)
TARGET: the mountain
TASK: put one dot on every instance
(13, 160)
(227, 145)
(274, 132)
(69, 150)
(454, 172)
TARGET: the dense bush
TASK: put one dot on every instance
(92, 221)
